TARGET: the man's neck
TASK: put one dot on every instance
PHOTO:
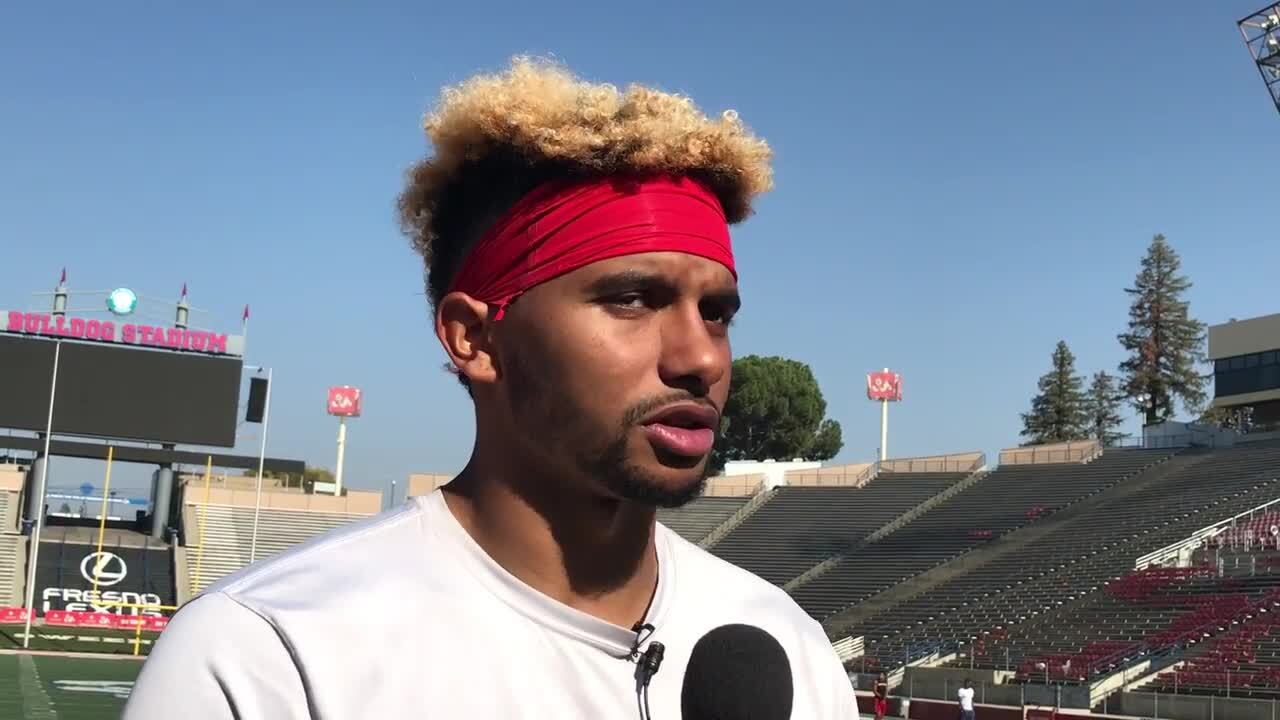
(597, 556)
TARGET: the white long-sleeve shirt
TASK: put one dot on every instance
(405, 616)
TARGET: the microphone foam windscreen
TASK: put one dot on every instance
(737, 672)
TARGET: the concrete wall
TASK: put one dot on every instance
(12, 510)
(734, 486)
(774, 472)
(1068, 452)
(852, 475)
(425, 483)
(240, 482)
(1176, 434)
(12, 477)
(738, 485)
(941, 683)
(954, 462)
(939, 710)
(934, 710)
(1253, 398)
(1195, 707)
(357, 502)
(1243, 337)
(953, 676)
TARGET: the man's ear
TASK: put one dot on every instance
(462, 325)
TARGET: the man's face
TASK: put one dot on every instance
(614, 375)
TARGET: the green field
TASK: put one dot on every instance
(48, 687)
(75, 640)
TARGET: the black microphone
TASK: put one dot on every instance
(650, 661)
(737, 672)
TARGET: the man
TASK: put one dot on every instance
(578, 262)
(881, 696)
(965, 697)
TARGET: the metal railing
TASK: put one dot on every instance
(848, 648)
(928, 465)
(1197, 538)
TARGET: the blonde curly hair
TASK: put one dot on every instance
(497, 136)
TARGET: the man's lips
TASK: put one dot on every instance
(687, 429)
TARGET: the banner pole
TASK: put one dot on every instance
(102, 523)
(204, 507)
(884, 430)
(342, 449)
(33, 556)
(137, 635)
(262, 457)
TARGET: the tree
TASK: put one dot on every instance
(775, 410)
(1102, 409)
(1239, 419)
(1165, 344)
(1058, 410)
(310, 476)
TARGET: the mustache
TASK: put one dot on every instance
(641, 410)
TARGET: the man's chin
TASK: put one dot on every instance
(662, 487)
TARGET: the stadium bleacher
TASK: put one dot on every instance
(696, 520)
(12, 561)
(1011, 497)
(228, 532)
(1244, 659)
(1079, 556)
(800, 527)
(12, 549)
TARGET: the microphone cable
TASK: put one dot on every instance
(646, 667)
(647, 664)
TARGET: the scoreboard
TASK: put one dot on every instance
(115, 391)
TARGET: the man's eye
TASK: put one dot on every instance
(630, 300)
(721, 315)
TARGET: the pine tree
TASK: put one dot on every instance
(1102, 409)
(1058, 411)
(1164, 342)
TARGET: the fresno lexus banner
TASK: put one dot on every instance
(132, 575)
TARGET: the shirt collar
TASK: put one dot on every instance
(535, 605)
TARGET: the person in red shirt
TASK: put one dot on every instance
(882, 696)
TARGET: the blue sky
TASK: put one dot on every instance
(959, 185)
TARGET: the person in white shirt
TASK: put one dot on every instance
(965, 696)
(579, 266)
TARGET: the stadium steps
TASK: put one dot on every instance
(9, 503)
(802, 525)
(1004, 501)
(737, 518)
(1085, 555)
(697, 519)
(1009, 543)
(13, 568)
(826, 565)
(228, 532)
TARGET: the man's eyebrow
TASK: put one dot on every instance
(632, 280)
(727, 297)
(629, 280)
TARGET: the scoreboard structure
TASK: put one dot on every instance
(119, 371)
(111, 391)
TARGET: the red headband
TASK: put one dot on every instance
(565, 225)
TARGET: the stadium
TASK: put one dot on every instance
(1134, 580)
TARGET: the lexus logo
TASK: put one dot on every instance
(107, 568)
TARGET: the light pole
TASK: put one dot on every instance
(1261, 33)
(262, 457)
(33, 557)
(885, 387)
(344, 401)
